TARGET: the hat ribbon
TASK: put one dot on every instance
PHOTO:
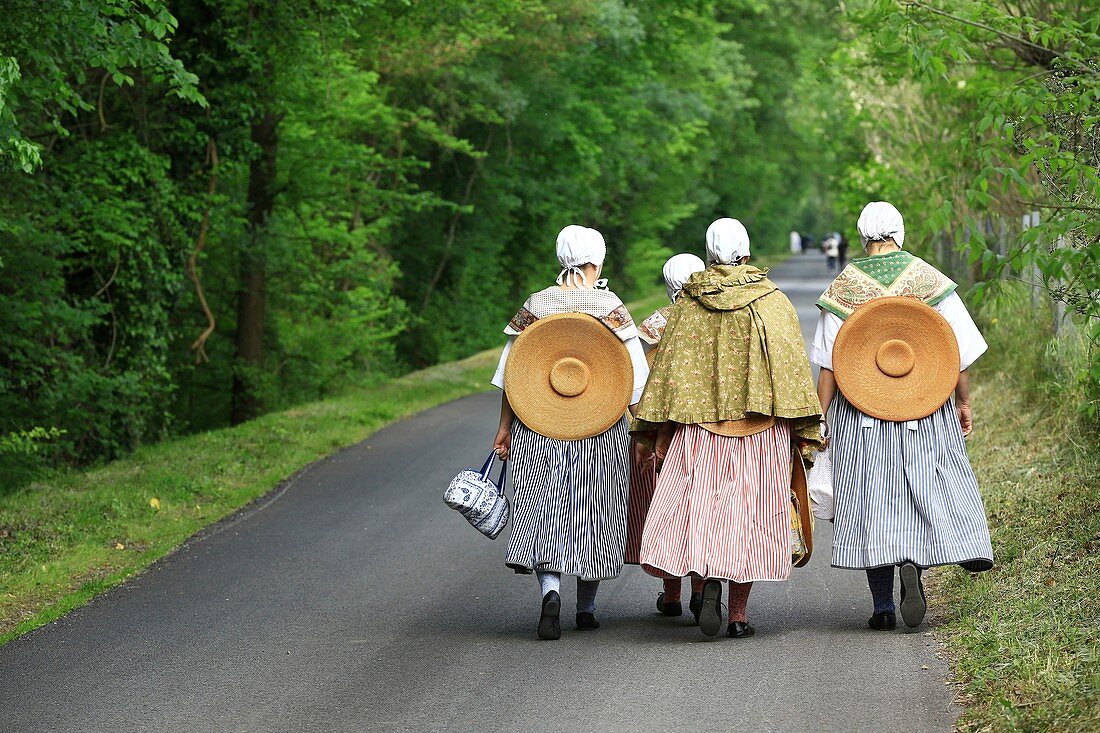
(576, 278)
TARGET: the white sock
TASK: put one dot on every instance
(586, 595)
(549, 582)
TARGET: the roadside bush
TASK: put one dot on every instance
(1057, 370)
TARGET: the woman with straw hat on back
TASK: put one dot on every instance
(572, 365)
(729, 393)
(894, 341)
(643, 470)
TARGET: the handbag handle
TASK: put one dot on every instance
(487, 469)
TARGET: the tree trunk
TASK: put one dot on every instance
(252, 296)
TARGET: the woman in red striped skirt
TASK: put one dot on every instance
(729, 392)
(643, 470)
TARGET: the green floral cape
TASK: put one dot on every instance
(732, 346)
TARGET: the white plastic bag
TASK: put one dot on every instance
(819, 484)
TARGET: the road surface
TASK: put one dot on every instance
(352, 599)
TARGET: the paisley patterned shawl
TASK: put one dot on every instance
(601, 304)
(896, 273)
(652, 328)
(731, 347)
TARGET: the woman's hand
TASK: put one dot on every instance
(642, 453)
(664, 440)
(966, 419)
(502, 443)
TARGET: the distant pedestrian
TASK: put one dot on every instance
(564, 431)
(905, 493)
(842, 250)
(831, 247)
(643, 470)
(796, 243)
(729, 393)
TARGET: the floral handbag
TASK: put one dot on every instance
(475, 496)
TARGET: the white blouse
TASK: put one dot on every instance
(971, 343)
(633, 347)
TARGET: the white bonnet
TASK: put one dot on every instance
(677, 271)
(579, 246)
(727, 241)
(880, 220)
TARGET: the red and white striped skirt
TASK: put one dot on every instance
(643, 480)
(721, 508)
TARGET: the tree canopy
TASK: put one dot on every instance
(213, 208)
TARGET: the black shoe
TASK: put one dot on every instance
(672, 608)
(587, 621)
(549, 624)
(710, 622)
(694, 605)
(913, 605)
(740, 630)
(882, 622)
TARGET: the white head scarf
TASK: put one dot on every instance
(578, 246)
(880, 220)
(677, 271)
(727, 241)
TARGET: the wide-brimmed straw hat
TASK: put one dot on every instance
(568, 377)
(896, 359)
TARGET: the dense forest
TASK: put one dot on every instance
(211, 209)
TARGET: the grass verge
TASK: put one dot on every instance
(1025, 637)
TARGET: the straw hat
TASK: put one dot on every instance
(896, 359)
(568, 377)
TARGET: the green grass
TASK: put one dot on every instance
(1025, 637)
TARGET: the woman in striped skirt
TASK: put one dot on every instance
(643, 470)
(905, 493)
(569, 508)
(729, 392)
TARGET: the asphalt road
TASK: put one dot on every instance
(352, 599)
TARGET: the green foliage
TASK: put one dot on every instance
(981, 115)
(84, 304)
(59, 57)
(22, 451)
(387, 176)
(27, 442)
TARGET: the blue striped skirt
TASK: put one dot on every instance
(905, 492)
(569, 509)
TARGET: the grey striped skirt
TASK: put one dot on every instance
(569, 510)
(905, 492)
